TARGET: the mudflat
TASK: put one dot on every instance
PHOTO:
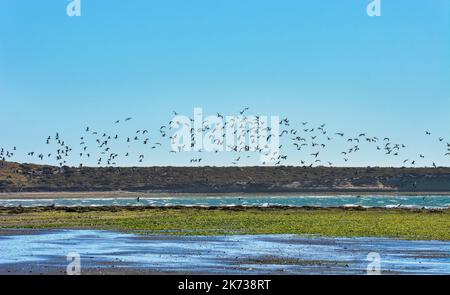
(110, 252)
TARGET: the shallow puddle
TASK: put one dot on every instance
(45, 252)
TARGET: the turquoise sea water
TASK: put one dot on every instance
(424, 201)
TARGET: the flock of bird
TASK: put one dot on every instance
(311, 141)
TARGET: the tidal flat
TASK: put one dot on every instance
(110, 252)
(409, 224)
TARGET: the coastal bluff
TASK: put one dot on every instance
(17, 177)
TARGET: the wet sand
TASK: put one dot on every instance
(107, 252)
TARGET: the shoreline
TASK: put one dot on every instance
(134, 194)
(275, 208)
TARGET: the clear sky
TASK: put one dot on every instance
(316, 61)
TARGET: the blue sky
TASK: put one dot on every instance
(317, 61)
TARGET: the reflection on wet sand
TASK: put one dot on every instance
(114, 252)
